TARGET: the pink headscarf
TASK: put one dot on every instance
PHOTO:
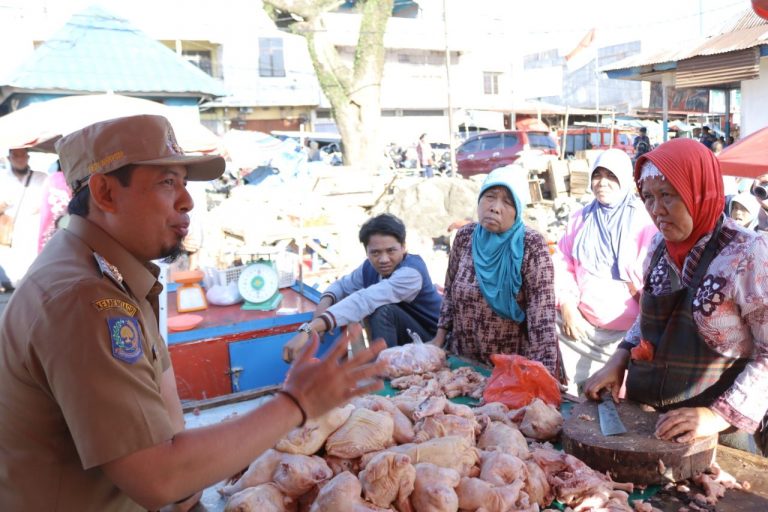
(694, 171)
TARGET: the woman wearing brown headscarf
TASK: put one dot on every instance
(699, 349)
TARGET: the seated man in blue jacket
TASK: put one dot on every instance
(391, 291)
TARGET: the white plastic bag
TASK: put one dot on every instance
(226, 295)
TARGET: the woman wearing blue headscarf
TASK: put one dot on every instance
(499, 295)
(598, 268)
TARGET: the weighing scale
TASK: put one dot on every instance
(189, 295)
(258, 284)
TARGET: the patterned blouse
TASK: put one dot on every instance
(731, 310)
(476, 331)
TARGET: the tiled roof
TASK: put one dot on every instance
(96, 51)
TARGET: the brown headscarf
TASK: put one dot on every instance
(694, 171)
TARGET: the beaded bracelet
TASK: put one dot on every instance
(295, 401)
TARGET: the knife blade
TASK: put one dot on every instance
(610, 421)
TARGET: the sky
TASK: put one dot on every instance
(540, 24)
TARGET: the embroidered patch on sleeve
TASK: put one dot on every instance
(103, 304)
(125, 334)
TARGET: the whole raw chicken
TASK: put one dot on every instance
(259, 472)
(441, 425)
(342, 494)
(388, 478)
(296, 474)
(307, 440)
(476, 494)
(452, 452)
(499, 468)
(412, 358)
(262, 498)
(541, 420)
(505, 438)
(403, 428)
(434, 489)
(365, 431)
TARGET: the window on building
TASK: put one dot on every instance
(200, 58)
(491, 82)
(271, 62)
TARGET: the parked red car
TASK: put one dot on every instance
(487, 151)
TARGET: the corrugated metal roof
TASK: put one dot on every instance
(718, 70)
(749, 31)
(96, 51)
(748, 19)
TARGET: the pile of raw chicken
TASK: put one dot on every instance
(420, 452)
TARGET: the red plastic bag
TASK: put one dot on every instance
(516, 381)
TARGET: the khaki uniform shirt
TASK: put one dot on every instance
(81, 360)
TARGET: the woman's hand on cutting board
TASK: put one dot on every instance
(610, 376)
(687, 423)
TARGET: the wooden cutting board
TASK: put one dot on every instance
(636, 456)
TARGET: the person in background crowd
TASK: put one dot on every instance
(391, 291)
(707, 137)
(759, 189)
(699, 349)
(313, 153)
(53, 212)
(642, 143)
(20, 199)
(499, 286)
(424, 156)
(744, 209)
(89, 414)
(598, 268)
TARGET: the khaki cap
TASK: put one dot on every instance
(143, 140)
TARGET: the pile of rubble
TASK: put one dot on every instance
(321, 215)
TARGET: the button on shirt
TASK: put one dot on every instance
(81, 360)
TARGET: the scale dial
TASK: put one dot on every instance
(258, 282)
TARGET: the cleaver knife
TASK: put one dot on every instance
(610, 421)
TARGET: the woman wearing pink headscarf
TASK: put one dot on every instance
(599, 268)
(699, 349)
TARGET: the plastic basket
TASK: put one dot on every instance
(286, 264)
(218, 277)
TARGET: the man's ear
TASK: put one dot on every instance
(102, 192)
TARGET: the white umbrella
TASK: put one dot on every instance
(61, 116)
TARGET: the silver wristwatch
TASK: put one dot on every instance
(306, 328)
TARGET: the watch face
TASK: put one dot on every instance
(258, 282)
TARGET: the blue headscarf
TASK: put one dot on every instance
(498, 258)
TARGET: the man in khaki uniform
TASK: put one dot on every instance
(89, 414)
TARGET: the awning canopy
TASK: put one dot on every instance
(748, 157)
